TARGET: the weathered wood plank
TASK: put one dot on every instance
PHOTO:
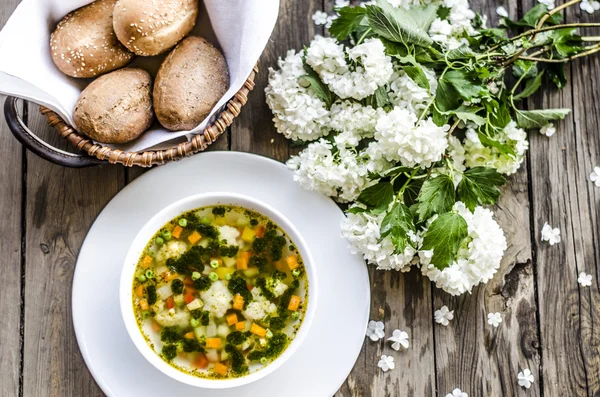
(61, 206)
(471, 354)
(254, 131)
(564, 197)
(10, 247)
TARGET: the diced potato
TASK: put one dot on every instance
(238, 302)
(223, 330)
(222, 272)
(229, 262)
(224, 355)
(212, 355)
(242, 221)
(248, 235)
(247, 344)
(251, 272)
(164, 292)
(200, 332)
(204, 242)
(194, 237)
(220, 369)
(258, 330)
(231, 319)
(213, 343)
(195, 304)
(178, 299)
(220, 221)
(294, 303)
(211, 330)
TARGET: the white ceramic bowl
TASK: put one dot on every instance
(158, 221)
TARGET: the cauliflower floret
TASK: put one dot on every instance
(172, 249)
(254, 311)
(266, 306)
(229, 234)
(276, 287)
(217, 299)
(169, 319)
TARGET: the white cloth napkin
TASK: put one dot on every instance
(241, 28)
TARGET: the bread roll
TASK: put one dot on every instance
(116, 107)
(189, 83)
(151, 27)
(84, 43)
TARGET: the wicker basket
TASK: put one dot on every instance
(96, 154)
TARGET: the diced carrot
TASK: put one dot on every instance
(213, 343)
(155, 326)
(168, 276)
(139, 291)
(294, 303)
(221, 369)
(240, 326)
(238, 302)
(292, 262)
(242, 260)
(188, 297)
(144, 304)
(260, 231)
(190, 335)
(194, 237)
(258, 330)
(147, 261)
(177, 231)
(188, 282)
(232, 319)
(170, 303)
(201, 361)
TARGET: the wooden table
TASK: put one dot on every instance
(551, 324)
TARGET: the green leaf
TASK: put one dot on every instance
(347, 22)
(319, 88)
(466, 88)
(379, 99)
(417, 75)
(436, 197)
(402, 25)
(468, 113)
(489, 142)
(499, 112)
(377, 196)
(356, 210)
(396, 171)
(531, 87)
(445, 236)
(411, 192)
(462, 52)
(556, 72)
(525, 68)
(396, 225)
(479, 185)
(539, 118)
(440, 119)
(446, 97)
(533, 16)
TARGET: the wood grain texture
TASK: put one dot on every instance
(61, 206)
(564, 197)
(10, 247)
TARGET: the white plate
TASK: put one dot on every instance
(321, 363)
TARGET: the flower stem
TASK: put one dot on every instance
(410, 178)
(593, 49)
(363, 36)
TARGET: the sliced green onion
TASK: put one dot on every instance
(149, 274)
(196, 276)
(295, 272)
(213, 276)
(159, 241)
(264, 360)
(214, 263)
(183, 222)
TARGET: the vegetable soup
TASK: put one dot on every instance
(220, 292)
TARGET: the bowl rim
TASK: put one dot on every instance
(160, 219)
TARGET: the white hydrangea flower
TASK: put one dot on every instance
(362, 231)
(457, 393)
(330, 20)
(479, 155)
(548, 130)
(595, 176)
(375, 330)
(493, 87)
(450, 32)
(340, 173)
(548, 3)
(585, 280)
(456, 153)
(478, 258)
(550, 234)
(589, 6)
(501, 11)
(401, 140)
(298, 112)
(525, 378)
(349, 116)
(342, 3)
(371, 67)
(386, 363)
(406, 4)
(398, 338)
(494, 319)
(320, 18)
(405, 93)
(443, 315)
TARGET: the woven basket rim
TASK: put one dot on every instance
(149, 158)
